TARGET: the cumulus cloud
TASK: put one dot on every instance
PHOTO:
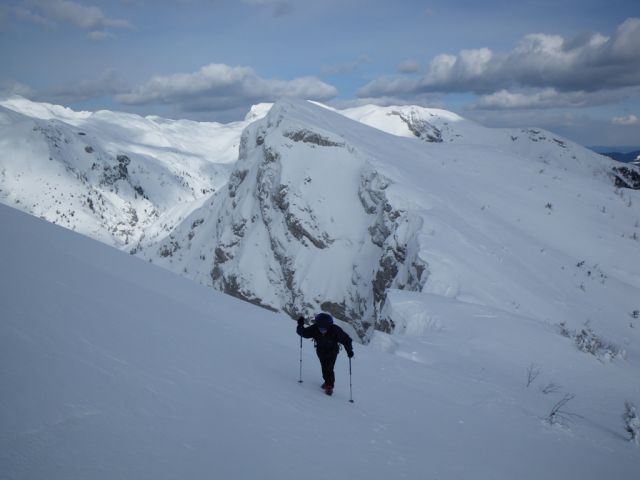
(587, 62)
(88, 17)
(221, 87)
(409, 66)
(108, 84)
(11, 87)
(26, 15)
(99, 35)
(551, 98)
(432, 100)
(66, 12)
(626, 120)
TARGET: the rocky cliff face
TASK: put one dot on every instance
(324, 213)
(305, 224)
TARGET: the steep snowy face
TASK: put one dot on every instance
(427, 124)
(321, 212)
(120, 178)
(434, 125)
(303, 225)
(325, 213)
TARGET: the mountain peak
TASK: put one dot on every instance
(301, 208)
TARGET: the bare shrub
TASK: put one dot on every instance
(557, 415)
(532, 373)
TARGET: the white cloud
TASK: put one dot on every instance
(409, 66)
(508, 100)
(108, 84)
(27, 15)
(11, 87)
(221, 87)
(551, 98)
(588, 62)
(99, 35)
(54, 12)
(432, 100)
(626, 120)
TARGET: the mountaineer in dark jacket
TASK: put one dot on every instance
(326, 336)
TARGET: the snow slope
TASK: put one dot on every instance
(117, 177)
(114, 368)
(301, 208)
(323, 212)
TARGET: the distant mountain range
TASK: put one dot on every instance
(620, 153)
(629, 157)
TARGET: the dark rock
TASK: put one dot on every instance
(626, 177)
(420, 127)
(231, 286)
(307, 136)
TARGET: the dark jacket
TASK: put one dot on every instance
(329, 341)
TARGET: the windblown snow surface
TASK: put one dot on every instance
(114, 368)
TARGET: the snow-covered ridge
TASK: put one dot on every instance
(322, 212)
(307, 209)
(120, 178)
(325, 240)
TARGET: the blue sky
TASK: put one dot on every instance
(572, 66)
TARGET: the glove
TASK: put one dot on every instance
(301, 321)
(350, 354)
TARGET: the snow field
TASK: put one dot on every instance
(112, 367)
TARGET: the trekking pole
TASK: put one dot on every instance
(300, 381)
(350, 385)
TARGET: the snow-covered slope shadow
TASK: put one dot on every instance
(114, 368)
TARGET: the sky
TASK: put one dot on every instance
(572, 67)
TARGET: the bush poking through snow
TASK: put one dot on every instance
(558, 416)
(589, 342)
(532, 373)
(551, 388)
(631, 422)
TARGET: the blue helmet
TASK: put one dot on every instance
(323, 320)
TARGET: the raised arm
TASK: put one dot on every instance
(302, 331)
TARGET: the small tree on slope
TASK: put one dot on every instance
(631, 422)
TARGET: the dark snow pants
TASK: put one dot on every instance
(327, 361)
